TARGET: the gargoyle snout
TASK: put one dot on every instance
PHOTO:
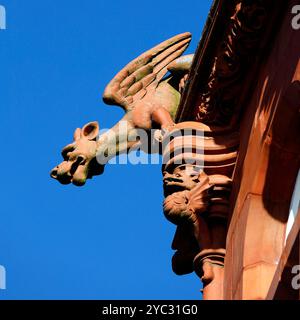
(53, 173)
(62, 172)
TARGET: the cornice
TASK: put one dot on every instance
(233, 44)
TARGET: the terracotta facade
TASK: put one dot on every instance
(260, 92)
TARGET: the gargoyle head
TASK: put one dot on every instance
(79, 157)
(183, 177)
(187, 190)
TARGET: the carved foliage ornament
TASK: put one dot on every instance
(217, 100)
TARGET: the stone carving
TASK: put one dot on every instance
(197, 191)
(197, 180)
(150, 100)
(192, 196)
(80, 161)
(187, 190)
(214, 100)
(217, 100)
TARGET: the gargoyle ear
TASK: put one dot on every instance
(77, 134)
(90, 130)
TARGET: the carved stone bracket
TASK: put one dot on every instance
(198, 163)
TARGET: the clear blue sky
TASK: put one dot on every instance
(109, 239)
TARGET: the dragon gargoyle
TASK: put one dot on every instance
(149, 98)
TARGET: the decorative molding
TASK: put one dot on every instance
(222, 72)
(216, 102)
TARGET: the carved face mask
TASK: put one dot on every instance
(184, 177)
(80, 161)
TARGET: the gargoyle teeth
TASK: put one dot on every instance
(168, 180)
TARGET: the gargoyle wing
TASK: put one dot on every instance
(146, 71)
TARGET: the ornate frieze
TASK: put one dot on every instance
(217, 100)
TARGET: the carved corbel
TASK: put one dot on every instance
(197, 165)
